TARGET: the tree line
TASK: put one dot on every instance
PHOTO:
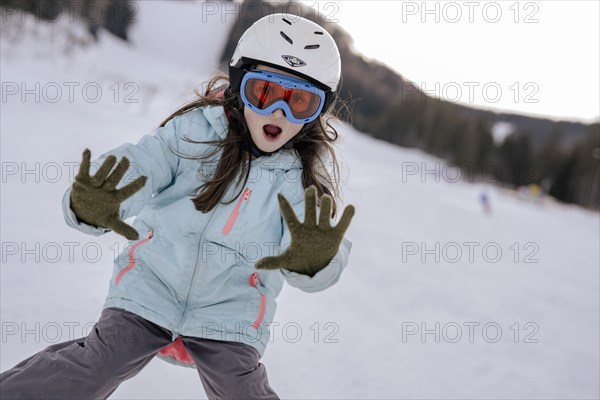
(115, 16)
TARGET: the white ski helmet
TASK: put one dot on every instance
(290, 43)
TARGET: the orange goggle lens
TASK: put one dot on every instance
(265, 92)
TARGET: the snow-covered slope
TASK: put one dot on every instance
(440, 299)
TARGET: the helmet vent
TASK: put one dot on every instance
(286, 37)
(318, 33)
(311, 46)
(286, 21)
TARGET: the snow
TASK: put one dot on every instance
(501, 130)
(389, 329)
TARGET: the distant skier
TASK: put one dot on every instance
(192, 286)
(536, 193)
(485, 202)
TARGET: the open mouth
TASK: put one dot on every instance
(271, 132)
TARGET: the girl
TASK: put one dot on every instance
(210, 248)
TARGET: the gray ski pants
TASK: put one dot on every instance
(118, 347)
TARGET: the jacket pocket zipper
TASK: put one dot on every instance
(131, 258)
(236, 212)
(263, 300)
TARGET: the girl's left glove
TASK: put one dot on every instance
(313, 244)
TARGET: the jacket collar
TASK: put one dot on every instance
(217, 119)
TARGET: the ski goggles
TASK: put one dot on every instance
(265, 91)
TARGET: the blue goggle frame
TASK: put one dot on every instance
(287, 82)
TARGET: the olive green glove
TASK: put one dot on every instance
(95, 201)
(313, 244)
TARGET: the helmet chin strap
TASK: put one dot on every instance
(253, 149)
(256, 152)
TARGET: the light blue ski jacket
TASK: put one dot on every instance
(191, 272)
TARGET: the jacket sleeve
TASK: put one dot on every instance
(153, 156)
(326, 277)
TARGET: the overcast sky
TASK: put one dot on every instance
(534, 57)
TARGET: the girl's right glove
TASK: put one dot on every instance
(313, 244)
(95, 200)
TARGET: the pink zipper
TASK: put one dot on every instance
(236, 212)
(263, 300)
(131, 258)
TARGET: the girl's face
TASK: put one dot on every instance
(270, 132)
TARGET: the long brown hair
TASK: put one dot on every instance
(313, 145)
